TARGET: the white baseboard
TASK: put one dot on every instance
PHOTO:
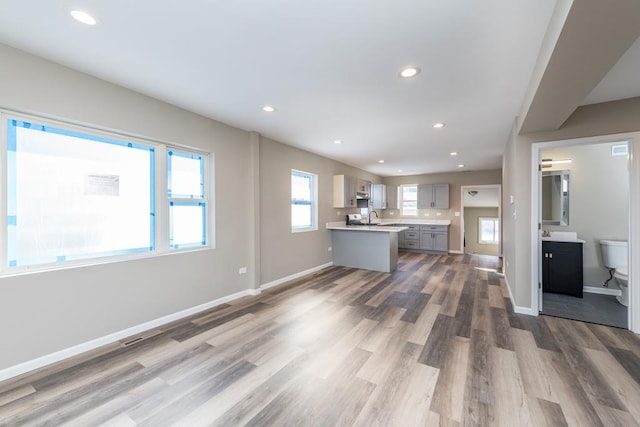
(601, 290)
(517, 308)
(294, 276)
(66, 353)
(456, 252)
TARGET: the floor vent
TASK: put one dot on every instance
(132, 341)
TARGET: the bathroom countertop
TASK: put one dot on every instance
(563, 239)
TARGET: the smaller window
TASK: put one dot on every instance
(488, 231)
(409, 203)
(304, 190)
(187, 203)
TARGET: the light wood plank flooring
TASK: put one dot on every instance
(434, 343)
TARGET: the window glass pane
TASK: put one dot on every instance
(488, 230)
(302, 204)
(300, 187)
(72, 195)
(301, 216)
(187, 224)
(186, 177)
(409, 200)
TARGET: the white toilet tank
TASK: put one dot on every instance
(614, 254)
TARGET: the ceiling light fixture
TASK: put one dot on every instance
(453, 153)
(400, 170)
(380, 161)
(83, 17)
(460, 165)
(268, 108)
(439, 125)
(337, 141)
(409, 71)
(473, 193)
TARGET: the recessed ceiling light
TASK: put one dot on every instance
(380, 161)
(337, 141)
(269, 108)
(410, 71)
(460, 165)
(439, 125)
(400, 170)
(83, 17)
(453, 153)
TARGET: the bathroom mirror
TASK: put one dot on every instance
(555, 197)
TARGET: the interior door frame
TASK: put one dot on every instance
(633, 141)
(465, 188)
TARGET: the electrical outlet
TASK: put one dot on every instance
(438, 213)
(391, 213)
(329, 248)
(243, 270)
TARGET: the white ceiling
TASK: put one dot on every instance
(330, 68)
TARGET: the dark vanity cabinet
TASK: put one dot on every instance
(562, 268)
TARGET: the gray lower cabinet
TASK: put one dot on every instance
(430, 238)
(434, 238)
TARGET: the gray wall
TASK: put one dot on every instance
(45, 312)
(598, 201)
(455, 181)
(608, 118)
(472, 246)
(282, 252)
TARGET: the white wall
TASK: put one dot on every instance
(45, 312)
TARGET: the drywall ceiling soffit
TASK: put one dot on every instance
(595, 36)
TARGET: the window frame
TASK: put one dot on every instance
(313, 203)
(496, 230)
(188, 200)
(402, 200)
(159, 196)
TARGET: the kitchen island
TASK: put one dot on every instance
(369, 247)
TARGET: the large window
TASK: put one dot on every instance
(75, 193)
(488, 231)
(409, 200)
(304, 213)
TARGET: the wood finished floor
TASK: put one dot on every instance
(434, 343)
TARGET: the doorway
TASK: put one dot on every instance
(592, 205)
(480, 220)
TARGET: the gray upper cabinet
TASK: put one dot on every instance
(392, 197)
(345, 188)
(384, 196)
(432, 196)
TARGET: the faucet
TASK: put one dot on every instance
(370, 215)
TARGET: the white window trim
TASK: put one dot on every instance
(161, 231)
(314, 203)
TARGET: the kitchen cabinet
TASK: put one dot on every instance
(410, 237)
(562, 268)
(434, 238)
(345, 189)
(433, 196)
(384, 196)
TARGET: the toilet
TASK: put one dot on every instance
(614, 256)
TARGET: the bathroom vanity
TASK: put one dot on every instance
(562, 266)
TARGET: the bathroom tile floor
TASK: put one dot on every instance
(594, 308)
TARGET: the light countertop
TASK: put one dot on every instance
(563, 239)
(380, 228)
